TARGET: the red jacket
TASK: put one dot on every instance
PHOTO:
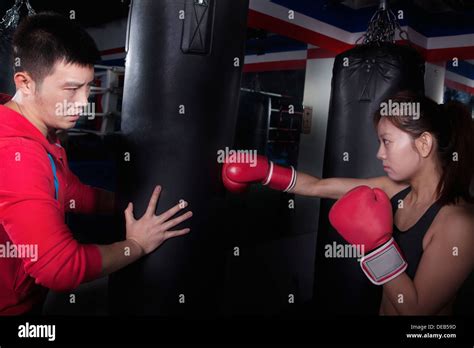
(32, 216)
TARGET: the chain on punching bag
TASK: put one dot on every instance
(362, 78)
(383, 27)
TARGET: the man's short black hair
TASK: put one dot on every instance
(43, 39)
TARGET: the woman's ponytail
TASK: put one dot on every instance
(456, 152)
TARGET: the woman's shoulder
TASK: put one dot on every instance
(457, 221)
(460, 210)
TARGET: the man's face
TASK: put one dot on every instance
(61, 96)
(397, 151)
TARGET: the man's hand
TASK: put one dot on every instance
(143, 235)
(150, 231)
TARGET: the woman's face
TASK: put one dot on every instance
(397, 151)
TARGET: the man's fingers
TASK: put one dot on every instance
(150, 211)
(129, 212)
(171, 234)
(170, 224)
(173, 211)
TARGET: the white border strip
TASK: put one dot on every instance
(276, 57)
(459, 79)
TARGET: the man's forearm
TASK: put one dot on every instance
(118, 255)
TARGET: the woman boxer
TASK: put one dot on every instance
(429, 164)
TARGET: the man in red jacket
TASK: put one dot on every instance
(37, 250)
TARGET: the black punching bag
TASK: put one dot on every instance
(362, 78)
(182, 83)
(8, 24)
(7, 85)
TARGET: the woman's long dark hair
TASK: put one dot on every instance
(452, 126)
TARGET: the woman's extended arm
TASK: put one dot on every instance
(334, 188)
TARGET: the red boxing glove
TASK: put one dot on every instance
(237, 176)
(364, 216)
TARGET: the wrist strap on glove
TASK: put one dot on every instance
(280, 178)
(384, 263)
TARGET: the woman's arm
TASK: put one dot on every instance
(236, 176)
(335, 188)
(444, 266)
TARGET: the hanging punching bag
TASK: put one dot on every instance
(182, 81)
(362, 78)
(6, 66)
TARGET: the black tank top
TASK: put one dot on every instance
(411, 240)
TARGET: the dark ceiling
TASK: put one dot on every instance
(87, 12)
(97, 12)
